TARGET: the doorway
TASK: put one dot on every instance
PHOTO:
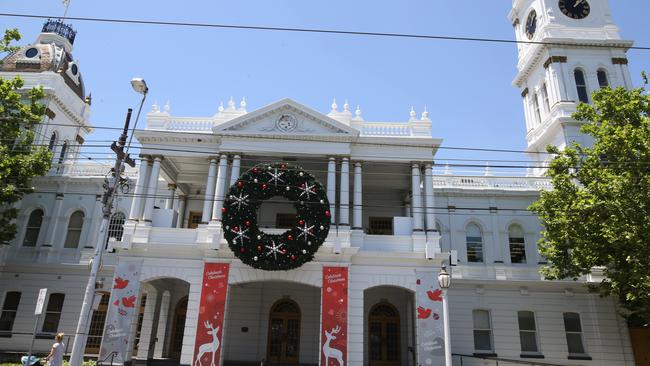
(284, 333)
(180, 313)
(383, 335)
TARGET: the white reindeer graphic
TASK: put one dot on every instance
(208, 347)
(332, 352)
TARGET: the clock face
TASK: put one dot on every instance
(531, 24)
(576, 9)
(286, 123)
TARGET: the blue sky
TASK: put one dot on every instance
(466, 86)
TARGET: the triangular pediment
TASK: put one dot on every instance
(285, 117)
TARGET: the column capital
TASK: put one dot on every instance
(345, 158)
(332, 158)
(223, 156)
(357, 164)
(416, 164)
(212, 158)
(157, 158)
(236, 156)
(171, 186)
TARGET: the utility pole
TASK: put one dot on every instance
(110, 184)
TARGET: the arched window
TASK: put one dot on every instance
(116, 226)
(50, 146)
(64, 150)
(538, 115)
(581, 85)
(517, 244)
(603, 82)
(74, 230)
(547, 105)
(474, 239)
(33, 228)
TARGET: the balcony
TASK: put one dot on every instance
(60, 28)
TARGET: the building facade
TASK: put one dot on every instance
(394, 220)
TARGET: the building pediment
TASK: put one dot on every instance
(285, 117)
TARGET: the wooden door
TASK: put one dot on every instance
(195, 219)
(640, 339)
(383, 335)
(180, 312)
(284, 333)
(96, 329)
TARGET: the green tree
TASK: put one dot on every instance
(597, 217)
(20, 161)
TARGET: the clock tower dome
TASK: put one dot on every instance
(574, 48)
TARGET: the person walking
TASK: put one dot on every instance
(55, 357)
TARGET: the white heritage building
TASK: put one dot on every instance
(391, 216)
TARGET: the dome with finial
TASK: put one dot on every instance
(335, 107)
(51, 52)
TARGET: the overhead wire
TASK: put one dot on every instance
(322, 31)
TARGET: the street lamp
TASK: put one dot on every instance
(444, 280)
(76, 357)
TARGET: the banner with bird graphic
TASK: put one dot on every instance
(209, 327)
(430, 331)
(334, 336)
(122, 308)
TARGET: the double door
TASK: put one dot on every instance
(284, 333)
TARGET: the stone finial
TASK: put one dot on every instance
(242, 104)
(166, 108)
(447, 169)
(488, 170)
(335, 107)
(155, 108)
(231, 104)
(357, 114)
(425, 114)
(346, 106)
(412, 114)
(220, 107)
(529, 171)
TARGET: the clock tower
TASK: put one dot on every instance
(575, 48)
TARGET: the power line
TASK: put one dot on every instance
(320, 31)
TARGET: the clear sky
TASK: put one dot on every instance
(466, 86)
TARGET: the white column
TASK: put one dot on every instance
(220, 188)
(151, 192)
(209, 191)
(191, 318)
(344, 193)
(140, 189)
(162, 325)
(416, 198)
(428, 197)
(181, 211)
(331, 187)
(169, 203)
(357, 218)
(234, 171)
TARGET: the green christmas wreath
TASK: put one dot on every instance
(294, 247)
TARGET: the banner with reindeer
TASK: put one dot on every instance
(209, 328)
(334, 334)
(429, 324)
(121, 311)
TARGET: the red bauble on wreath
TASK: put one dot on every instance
(273, 252)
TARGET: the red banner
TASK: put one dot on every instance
(209, 328)
(334, 334)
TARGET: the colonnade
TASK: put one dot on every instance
(221, 175)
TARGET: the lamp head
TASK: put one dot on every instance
(444, 279)
(139, 85)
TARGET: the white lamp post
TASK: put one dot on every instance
(444, 280)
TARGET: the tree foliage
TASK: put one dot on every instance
(20, 112)
(597, 217)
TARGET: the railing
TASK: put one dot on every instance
(385, 129)
(189, 125)
(60, 28)
(476, 359)
(509, 183)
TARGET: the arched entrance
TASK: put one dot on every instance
(283, 342)
(180, 313)
(384, 335)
